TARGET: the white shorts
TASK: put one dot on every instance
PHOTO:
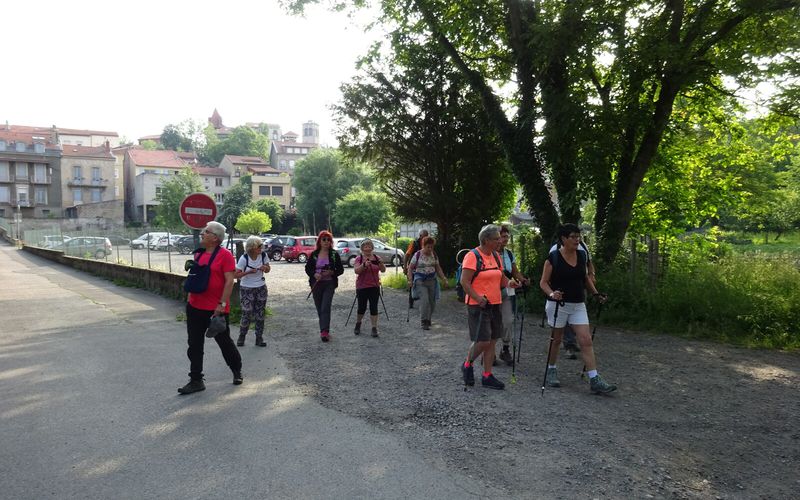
(573, 313)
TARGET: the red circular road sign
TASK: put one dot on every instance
(197, 210)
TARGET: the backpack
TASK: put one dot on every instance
(197, 280)
(460, 293)
(247, 258)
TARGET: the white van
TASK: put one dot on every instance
(146, 239)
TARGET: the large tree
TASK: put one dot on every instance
(238, 199)
(416, 119)
(601, 76)
(361, 212)
(243, 141)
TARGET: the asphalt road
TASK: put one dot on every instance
(89, 408)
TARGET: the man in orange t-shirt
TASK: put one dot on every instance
(484, 300)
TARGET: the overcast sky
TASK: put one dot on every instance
(135, 66)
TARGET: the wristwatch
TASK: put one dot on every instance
(223, 304)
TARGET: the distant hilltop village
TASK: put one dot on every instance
(88, 177)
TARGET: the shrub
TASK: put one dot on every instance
(394, 280)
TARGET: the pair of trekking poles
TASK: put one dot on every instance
(380, 296)
(560, 303)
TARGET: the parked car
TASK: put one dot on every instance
(231, 244)
(275, 246)
(118, 240)
(96, 246)
(299, 248)
(349, 249)
(145, 239)
(53, 241)
(185, 244)
(168, 243)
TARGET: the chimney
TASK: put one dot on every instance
(107, 147)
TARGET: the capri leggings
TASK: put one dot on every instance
(365, 294)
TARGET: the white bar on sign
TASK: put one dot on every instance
(198, 211)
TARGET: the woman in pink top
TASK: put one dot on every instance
(368, 267)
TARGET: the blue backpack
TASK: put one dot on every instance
(460, 293)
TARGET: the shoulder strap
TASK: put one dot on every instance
(246, 260)
(497, 260)
(478, 263)
(510, 255)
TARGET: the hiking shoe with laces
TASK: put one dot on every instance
(357, 329)
(374, 332)
(552, 378)
(240, 341)
(260, 341)
(324, 335)
(505, 355)
(237, 377)
(600, 386)
(192, 386)
(468, 374)
(491, 382)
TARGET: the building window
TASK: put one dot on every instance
(22, 171)
(218, 181)
(2, 145)
(205, 179)
(219, 197)
(96, 175)
(21, 147)
(39, 173)
(158, 193)
(22, 195)
(277, 190)
(291, 163)
(4, 173)
(263, 190)
(38, 147)
(283, 164)
(76, 172)
(5, 194)
(41, 196)
(45, 213)
(96, 196)
(77, 196)
(116, 173)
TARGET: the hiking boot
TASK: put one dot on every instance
(491, 382)
(357, 329)
(552, 378)
(468, 374)
(237, 377)
(505, 355)
(260, 341)
(600, 386)
(324, 335)
(240, 341)
(426, 324)
(374, 332)
(570, 348)
(192, 386)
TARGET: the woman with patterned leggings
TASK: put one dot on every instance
(250, 270)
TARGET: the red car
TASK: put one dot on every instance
(299, 248)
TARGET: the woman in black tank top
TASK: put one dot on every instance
(564, 281)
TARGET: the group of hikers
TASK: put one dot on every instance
(489, 277)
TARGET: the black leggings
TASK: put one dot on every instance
(372, 294)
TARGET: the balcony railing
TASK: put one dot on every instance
(42, 179)
(83, 182)
(21, 203)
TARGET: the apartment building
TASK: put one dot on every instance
(30, 175)
(88, 176)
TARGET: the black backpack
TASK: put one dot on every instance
(197, 280)
(247, 258)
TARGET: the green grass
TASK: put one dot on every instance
(397, 281)
(753, 243)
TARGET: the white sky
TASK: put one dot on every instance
(134, 66)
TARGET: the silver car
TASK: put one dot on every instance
(349, 249)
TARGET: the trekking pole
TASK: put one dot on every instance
(594, 330)
(550, 349)
(351, 310)
(380, 295)
(312, 289)
(522, 322)
(517, 352)
(410, 303)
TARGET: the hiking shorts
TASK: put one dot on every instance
(573, 313)
(491, 322)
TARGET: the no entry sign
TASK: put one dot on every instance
(197, 210)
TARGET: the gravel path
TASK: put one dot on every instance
(690, 419)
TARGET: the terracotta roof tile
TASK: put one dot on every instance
(167, 159)
(87, 151)
(210, 171)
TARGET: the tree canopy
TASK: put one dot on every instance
(173, 190)
(361, 212)
(243, 141)
(238, 199)
(581, 93)
(253, 222)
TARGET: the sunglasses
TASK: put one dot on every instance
(324, 239)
